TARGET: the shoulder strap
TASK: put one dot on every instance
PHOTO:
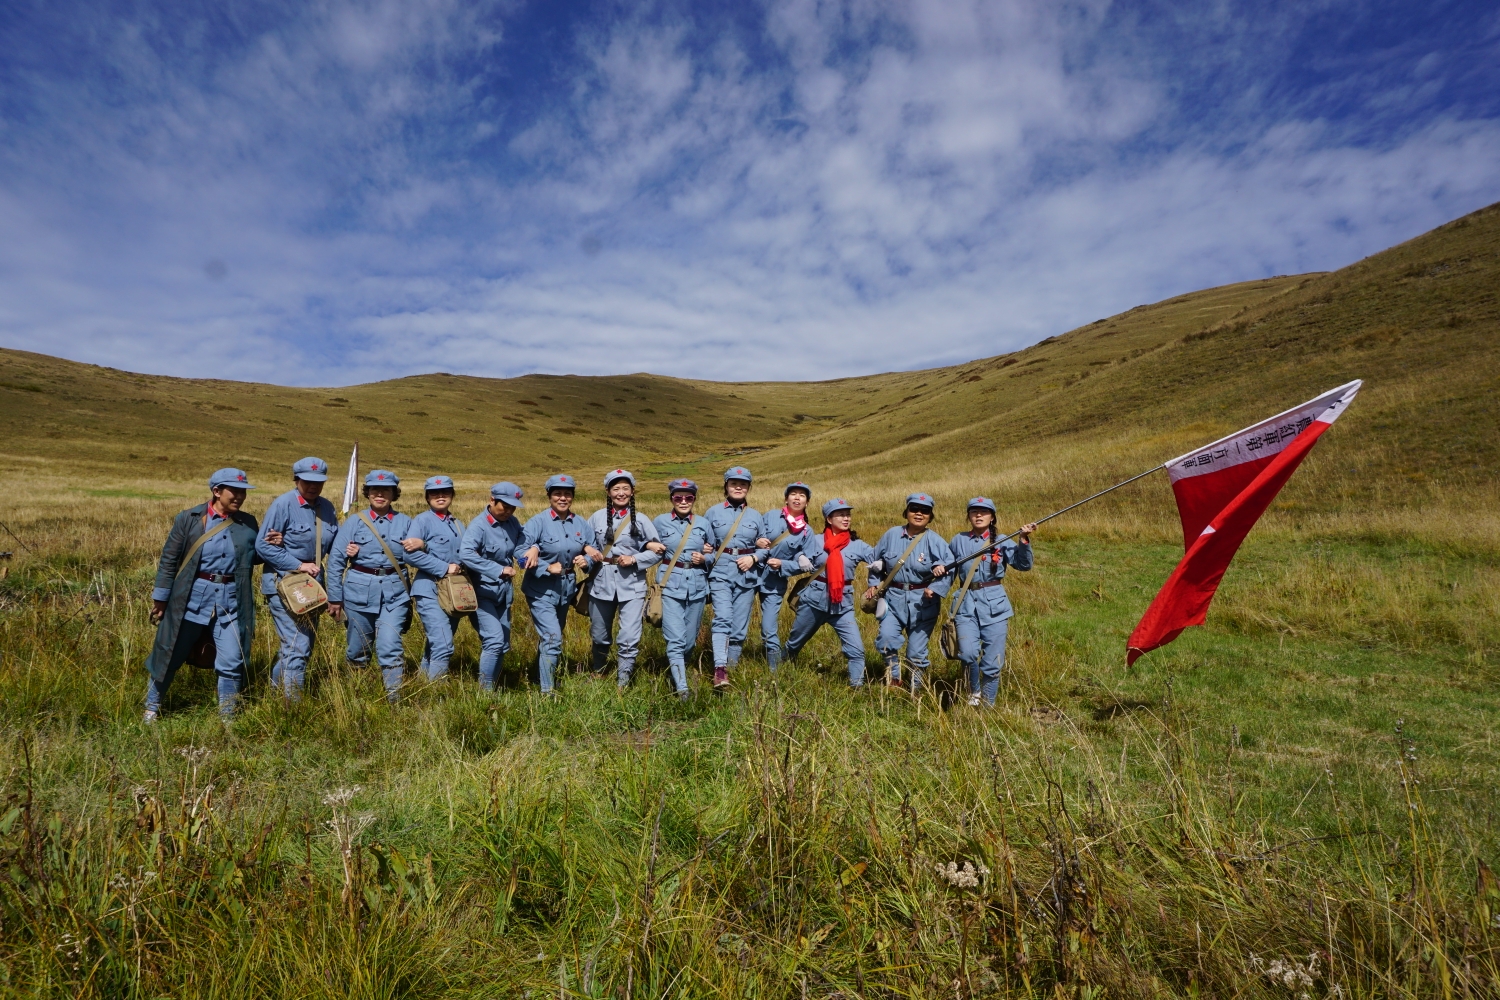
(958, 599)
(608, 517)
(187, 556)
(891, 576)
(365, 517)
(728, 537)
(687, 533)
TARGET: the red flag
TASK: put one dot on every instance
(1222, 489)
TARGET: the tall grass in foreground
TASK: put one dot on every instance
(793, 839)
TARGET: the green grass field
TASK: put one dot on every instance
(1297, 799)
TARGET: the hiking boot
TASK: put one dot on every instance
(721, 678)
(150, 717)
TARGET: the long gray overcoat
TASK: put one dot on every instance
(187, 529)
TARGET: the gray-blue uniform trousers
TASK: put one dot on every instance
(733, 592)
(444, 535)
(685, 590)
(489, 546)
(548, 595)
(215, 594)
(907, 608)
(772, 589)
(372, 592)
(984, 615)
(814, 609)
(295, 518)
(620, 591)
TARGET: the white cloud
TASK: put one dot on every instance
(906, 184)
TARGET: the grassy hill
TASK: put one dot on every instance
(1295, 800)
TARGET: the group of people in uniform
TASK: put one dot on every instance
(380, 564)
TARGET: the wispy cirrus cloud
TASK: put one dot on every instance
(345, 191)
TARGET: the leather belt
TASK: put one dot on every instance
(388, 571)
(991, 583)
(686, 565)
(217, 577)
(911, 586)
(740, 552)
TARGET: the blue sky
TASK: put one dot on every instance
(326, 192)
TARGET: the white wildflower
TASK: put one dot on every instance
(967, 877)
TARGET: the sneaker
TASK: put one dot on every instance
(150, 717)
(721, 678)
(684, 695)
(974, 700)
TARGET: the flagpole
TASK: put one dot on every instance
(986, 548)
(349, 479)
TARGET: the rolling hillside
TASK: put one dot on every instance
(1418, 322)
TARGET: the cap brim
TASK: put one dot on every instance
(311, 477)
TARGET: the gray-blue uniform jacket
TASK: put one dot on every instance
(347, 581)
(815, 594)
(916, 574)
(294, 517)
(688, 582)
(623, 583)
(444, 536)
(773, 524)
(986, 596)
(489, 546)
(558, 540)
(720, 518)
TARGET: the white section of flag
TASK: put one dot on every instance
(1264, 439)
(351, 480)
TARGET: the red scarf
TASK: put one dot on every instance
(794, 523)
(834, 543)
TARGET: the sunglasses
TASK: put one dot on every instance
(679, 497)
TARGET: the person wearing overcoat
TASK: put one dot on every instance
(206, 587)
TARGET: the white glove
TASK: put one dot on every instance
(805, 564)
(877, 565)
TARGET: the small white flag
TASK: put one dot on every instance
(350, 481)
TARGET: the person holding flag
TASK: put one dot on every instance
(981, 610)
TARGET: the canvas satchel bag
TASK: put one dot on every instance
(586, 580)
(301, 593)
(654, 590)
(870, 603)
(948, 634)
(456, 594)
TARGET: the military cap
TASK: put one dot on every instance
(561, 482)
(508, 492)
(230, 477)
(314, 470)
(984, 503)
(835, 505)
(439, 483)
(681, 486)
(611, 477)
(798, 486)
(738, 472)
(920, 500)
(382, 477)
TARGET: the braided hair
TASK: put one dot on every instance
(609, 518)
